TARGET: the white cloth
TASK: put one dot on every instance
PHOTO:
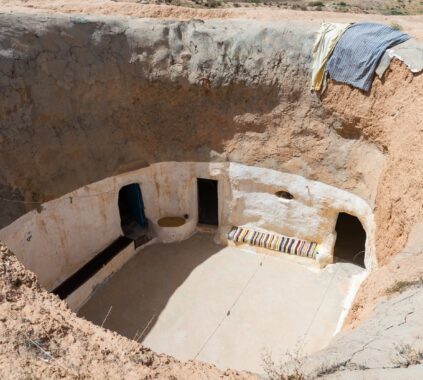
(326, 39)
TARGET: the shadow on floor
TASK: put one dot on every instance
(139, 292)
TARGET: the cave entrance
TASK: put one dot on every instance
(207, 201)
(350, 240)
(131, 210)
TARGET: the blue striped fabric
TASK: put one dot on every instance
(358, 52)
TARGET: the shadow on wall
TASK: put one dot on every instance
(11, 207)
(139, 292)
(116, 118)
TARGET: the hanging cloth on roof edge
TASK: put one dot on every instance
(358, 52)
(326, 39)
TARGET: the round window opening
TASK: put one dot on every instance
(284, 194)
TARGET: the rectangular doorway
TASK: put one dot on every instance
(207, 201)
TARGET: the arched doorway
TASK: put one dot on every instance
(131, 210)
(351, 239)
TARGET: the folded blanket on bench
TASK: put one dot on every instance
(275, 242)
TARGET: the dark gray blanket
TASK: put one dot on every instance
(358, 52)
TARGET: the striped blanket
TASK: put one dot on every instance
(274, 242)
(358, 52)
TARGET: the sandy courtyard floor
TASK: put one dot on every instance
(227, 306)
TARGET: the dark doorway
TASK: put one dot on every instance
(131, 210)
(350, 240)
(207, 201)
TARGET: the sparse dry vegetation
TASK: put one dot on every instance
(408, 356)
(289, 368)
(386, 7)
(395, 25)
(401, 286)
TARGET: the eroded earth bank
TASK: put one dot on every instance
(84, 98)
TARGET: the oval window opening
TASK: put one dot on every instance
(284, 194)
